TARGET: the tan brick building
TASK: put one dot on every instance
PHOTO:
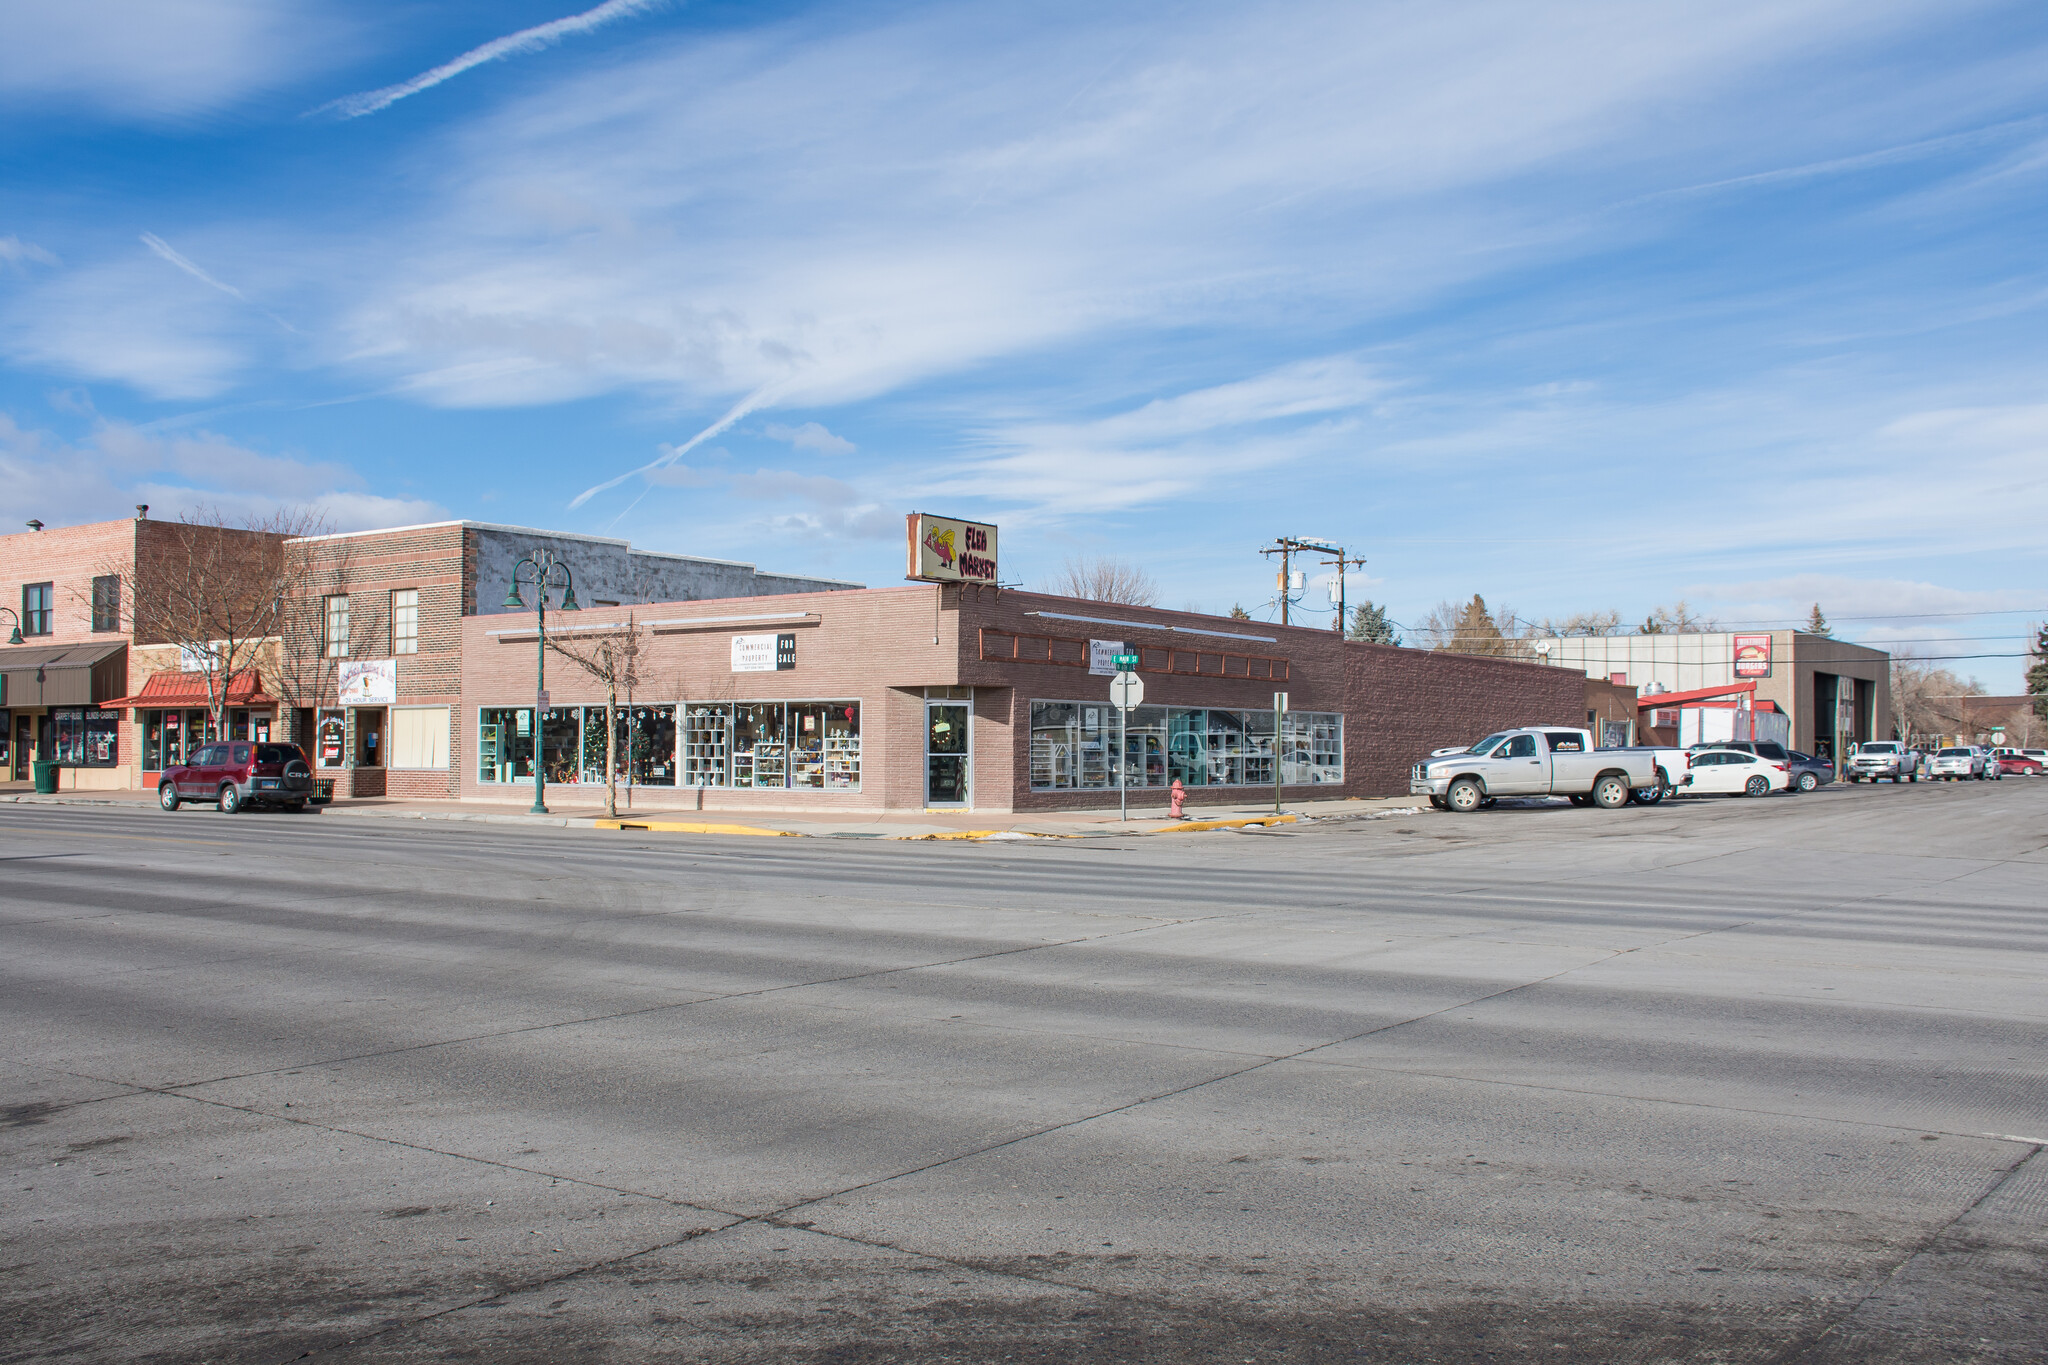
(71, 591)
(372, 665)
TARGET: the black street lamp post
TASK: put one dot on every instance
(545, 571)
(14, 636)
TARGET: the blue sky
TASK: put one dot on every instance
(1576, 305)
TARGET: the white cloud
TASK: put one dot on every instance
(18, 254)
(122, 465)
(810, 436)
(159, 58)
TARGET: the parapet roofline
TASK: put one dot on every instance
(625, 545)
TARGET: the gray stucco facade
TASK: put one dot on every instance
(612, 573)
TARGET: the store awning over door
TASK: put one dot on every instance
(188, 690)
(62, 675)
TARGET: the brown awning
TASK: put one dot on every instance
(62, 675)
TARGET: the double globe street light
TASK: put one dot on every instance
(544, 571)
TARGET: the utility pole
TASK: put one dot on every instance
(1289, 546)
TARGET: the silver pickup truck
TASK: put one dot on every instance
(1535, 761)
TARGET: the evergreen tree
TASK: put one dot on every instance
(1370, 625)
(1817, 624)
(2037, 676)
(1238, 613)
(1477, 632)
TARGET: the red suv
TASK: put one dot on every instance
(240, 774)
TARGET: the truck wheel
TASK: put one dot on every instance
(1649, 796)
(1437, 801)
(1611, 792)
(1580, 800)
(1464, 796)
(1757, 786)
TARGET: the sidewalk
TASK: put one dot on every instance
(1151, 819)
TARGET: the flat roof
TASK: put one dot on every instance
(625, 545)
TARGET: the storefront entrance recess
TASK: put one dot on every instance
(946, 775)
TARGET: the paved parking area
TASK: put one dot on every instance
(1715, 1081)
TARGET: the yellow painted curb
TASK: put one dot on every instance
(979, 834)
(1197, 826)
(681, 827)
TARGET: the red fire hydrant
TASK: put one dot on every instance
(1179, 796)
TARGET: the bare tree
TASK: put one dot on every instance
(612, 656)
(1676, 620)
(303, 677)
(218, 592)
(1606, 622)
(1928, 700)
(1106, 580)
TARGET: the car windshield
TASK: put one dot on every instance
(1954, 753)
(1483, 745)
(1879, 749)
(275, 753)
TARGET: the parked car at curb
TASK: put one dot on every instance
(1957, 762)
(1809, 773)
(235, 775)
(2017, 761)
(1881, 758)
(1534, 761)
(1733, 772)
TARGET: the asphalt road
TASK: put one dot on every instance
(1718, 1081)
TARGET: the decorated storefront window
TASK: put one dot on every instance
(1075, 747)
(87, 737)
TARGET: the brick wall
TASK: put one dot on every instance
(870, 646)
(1406, 702)
(367, 567)
(69, 557)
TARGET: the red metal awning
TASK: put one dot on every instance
(1661, 700)
(169, 690)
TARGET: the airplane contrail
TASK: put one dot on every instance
(674, 453)
(526, 40)
(179, 259)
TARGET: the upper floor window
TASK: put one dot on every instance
(337, 627)
(35, 607)
(106, 602)
(405, 621)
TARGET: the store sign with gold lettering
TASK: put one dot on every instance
(943, 550)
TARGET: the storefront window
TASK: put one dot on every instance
(505, 743)
(87, 738)
(169, 737)
(1074, 747)
(707, 735)
(647, 745)
(760, 747)
(825, 745)
(560, 741)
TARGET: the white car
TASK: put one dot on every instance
(1731, 772)
(1957, 762)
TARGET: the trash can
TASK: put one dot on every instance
(46, 777)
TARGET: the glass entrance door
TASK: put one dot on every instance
(946, 772)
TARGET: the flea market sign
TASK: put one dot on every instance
(946, 551)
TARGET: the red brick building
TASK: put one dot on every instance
(947, 696)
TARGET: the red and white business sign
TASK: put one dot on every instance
(1752, 656)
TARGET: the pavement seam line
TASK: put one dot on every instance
(1799, 1351)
